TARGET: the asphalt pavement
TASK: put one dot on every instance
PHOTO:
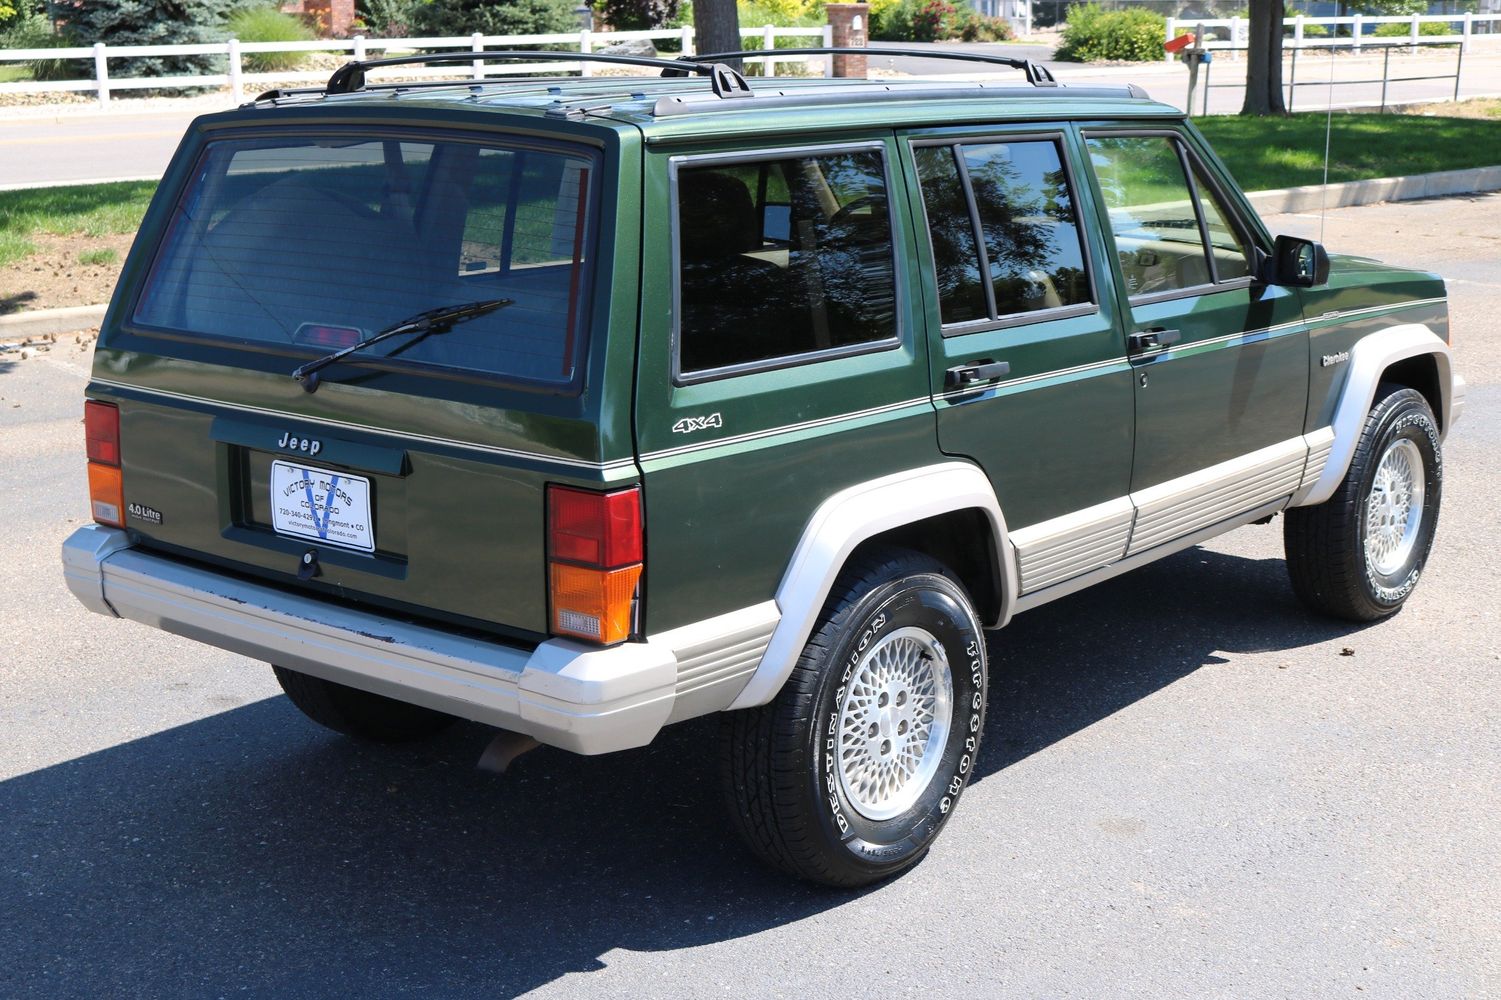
(136, 138)
(1189, 786)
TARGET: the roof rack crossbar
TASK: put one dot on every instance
(1037, 74)
(726, 82)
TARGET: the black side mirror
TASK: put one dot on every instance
(1297, 262)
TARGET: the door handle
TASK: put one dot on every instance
(980, 371)
(1152, 338)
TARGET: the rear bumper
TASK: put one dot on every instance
(577, 697)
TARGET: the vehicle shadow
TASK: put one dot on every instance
(252, 853)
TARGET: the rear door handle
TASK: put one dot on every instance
(1147, 339)
(980, 371)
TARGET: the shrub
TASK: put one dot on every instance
(513, 17)
(267, 24)
(935, 21)
(1091, 34)
(1395, 30)
(388, 18)
(150, 22)
(636, 15)
(34, 31)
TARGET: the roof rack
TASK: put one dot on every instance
(724, 80)
(1037, 74)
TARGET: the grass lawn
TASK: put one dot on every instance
(90, 210)
(1265, 153)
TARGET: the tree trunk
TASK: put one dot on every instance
(716, 27)
(1264, 65)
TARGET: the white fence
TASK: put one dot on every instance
(1350, 32)
(359, 47)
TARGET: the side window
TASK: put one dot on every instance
(1156, 217)
(1004, 228)
(781, 258)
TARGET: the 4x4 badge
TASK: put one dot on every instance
(690, 424)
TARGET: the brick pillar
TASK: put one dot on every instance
(851, 24)
(330, 18)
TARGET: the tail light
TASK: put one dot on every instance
(101, 426)
(594, 562)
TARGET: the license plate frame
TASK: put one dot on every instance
(321, 505)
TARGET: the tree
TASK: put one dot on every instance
(716, 27)
(1264, 65)
(149, 22)
(513, 17)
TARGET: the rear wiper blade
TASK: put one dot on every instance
(439, 320)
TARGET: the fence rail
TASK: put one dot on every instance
(1355, 36)
(236, 78)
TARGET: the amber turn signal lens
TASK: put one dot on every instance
(106, 495)
(593, 604)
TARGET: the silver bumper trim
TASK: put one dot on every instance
(565, 694)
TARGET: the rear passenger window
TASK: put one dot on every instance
(783, 258)
(1004, 228)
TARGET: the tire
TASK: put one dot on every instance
(791, 769)
(1359, 554)
(359, 713)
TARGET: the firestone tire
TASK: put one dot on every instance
(359, 713)
(1359, 555)
(849, 775)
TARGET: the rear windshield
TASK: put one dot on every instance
(310, 243)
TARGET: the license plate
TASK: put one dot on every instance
(331, 507)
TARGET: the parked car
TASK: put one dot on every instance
(582, 407)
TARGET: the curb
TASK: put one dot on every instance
(22, 326)
(1309, 198)
(1313, 197)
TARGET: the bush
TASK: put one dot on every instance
(151, 22)
(513, 17)
(934, 21)
(1394, 30)
(636, 15)
(267, 24)
(388, 18)
(34, 31)
(1091, 34)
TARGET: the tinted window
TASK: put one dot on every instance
(1031, 232)
(1152, 215)
(783, 257)
(956, 257)
(313, 241)
(1231, 255)
(1032, 256)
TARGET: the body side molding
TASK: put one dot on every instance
(1370, 356)
(850, 517)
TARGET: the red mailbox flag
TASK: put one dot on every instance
(1178, 44)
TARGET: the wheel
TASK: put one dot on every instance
(1359, 554)
(850, 773)
(359, 713)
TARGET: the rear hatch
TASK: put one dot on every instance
(413, 475)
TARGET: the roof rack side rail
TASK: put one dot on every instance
(1037, 74)
(350, 77)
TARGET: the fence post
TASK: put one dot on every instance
(1358, 30)
(828, 43)
(477, 43)
(359, 47)
(1412, 35)
(586, 45)
(1464, 46)
(1235, 30)
(101, 75)
(687, 42)
(768, 41)
(1298, 32)
(1172, 32)
(236, 85)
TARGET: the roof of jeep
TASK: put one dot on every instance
(680, 108)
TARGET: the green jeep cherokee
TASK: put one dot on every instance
(578, 407)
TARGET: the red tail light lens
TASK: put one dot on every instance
(595, 562)
(602, 530)
(101, 428)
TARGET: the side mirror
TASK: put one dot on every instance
(1296, 262)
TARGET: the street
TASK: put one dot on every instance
(132, 140)
(1189, 786)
